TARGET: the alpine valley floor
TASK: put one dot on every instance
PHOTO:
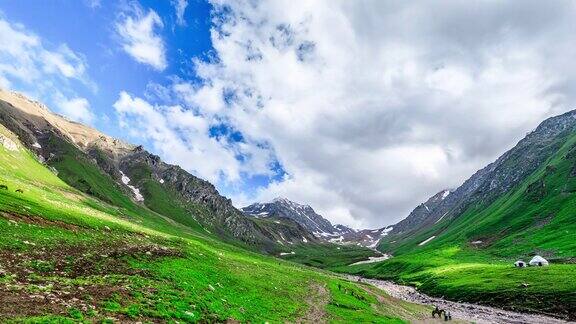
(68, 257)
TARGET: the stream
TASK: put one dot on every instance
(460, 311)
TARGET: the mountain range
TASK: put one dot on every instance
(459, 244)
(316, 224)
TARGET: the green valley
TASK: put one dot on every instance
(66, 256)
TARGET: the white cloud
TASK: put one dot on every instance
(372, 107)
(23, 57)
(29, 66)
(182, 137)
(180, 7)
(65, 62)
(77, 109)
(139, 38)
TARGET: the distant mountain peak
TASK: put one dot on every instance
(280, 200)
(315, 223)
(302, 214)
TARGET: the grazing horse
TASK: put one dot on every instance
(5, 187)
(438, 311)
(19, 190)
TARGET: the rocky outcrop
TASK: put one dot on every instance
(421, 214)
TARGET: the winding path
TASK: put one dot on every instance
(462, 311)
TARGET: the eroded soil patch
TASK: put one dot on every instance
(317, 300)
(59, 279)
(37, 220)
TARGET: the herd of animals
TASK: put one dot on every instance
(441, 313)
(5, 187)
(436, 311)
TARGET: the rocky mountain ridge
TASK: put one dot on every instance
(302, 214)
(319, 226)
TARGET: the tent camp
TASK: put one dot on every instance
(520, 264)
(538, 261)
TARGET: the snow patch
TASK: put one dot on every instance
(373, 245)
(337, 240)
(477, 242)
(322, 234)
(372, 260)
(445, 194)
(386, 231)
(304, 240)
(37, 145)
(287, 253)
(161, 180)
(136, 191)
(439, 219)
(427, 240)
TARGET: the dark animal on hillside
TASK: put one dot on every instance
(437, 311)
(5, 187)
(19, 190)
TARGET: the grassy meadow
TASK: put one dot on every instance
(68, 257)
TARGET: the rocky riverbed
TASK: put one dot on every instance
(460, 311)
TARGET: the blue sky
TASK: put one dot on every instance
(90, 29)
(362, 109)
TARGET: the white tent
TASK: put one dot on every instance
(520, 264)
(538, 261)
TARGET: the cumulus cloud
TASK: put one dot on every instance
(139, 37)
(77, 109)
(184, 137)
(27, 65)
(372, 107)
(180, 7)
(25, 58)
(369, 107)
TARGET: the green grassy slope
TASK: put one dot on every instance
(328, 256)
(67, 257)
(471, 258)
(75, 169)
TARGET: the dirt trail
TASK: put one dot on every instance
(317, 301)
(461, 311)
